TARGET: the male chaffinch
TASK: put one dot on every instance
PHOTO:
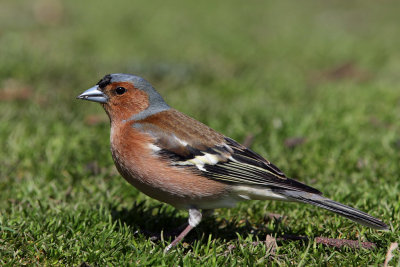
(178, 160)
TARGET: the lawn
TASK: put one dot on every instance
(315, 84)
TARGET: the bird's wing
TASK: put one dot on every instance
(187, 143)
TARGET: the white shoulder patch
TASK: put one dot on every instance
(201, 160)
(154, 148)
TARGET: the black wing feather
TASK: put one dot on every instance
(237, 165)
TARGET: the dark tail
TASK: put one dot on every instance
(336, 207)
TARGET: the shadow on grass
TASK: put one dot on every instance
(154, 220)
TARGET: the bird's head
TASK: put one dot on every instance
(125, 97)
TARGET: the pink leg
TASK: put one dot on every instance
(179, 237)
(194, 220)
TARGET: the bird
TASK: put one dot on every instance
(178, 160)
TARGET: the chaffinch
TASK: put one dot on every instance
(180, 161)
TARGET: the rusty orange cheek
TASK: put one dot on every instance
(125, 106)
(137, 100)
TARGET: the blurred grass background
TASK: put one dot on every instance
(316, 84)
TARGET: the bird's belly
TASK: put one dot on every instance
(180, 196)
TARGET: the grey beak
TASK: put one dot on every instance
(93, 94)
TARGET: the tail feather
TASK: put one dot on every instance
(336, 207)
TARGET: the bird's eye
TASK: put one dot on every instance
(120, 90)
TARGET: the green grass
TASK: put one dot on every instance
(324, 71)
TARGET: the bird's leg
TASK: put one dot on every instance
(194, 220)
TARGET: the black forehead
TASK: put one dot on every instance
(106, 80)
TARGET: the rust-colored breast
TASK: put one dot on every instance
(138, 164)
